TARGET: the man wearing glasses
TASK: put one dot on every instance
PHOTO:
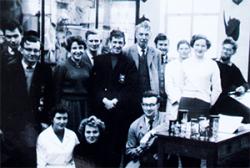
(141, 144)
(28, 94)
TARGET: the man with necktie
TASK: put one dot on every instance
(141, 143)
(93, 43)
(162, 43)
(28, 96)
(146, 58)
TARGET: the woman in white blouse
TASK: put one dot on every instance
(55, 144)
(201, 79)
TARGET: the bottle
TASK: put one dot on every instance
(171, 127)
(194, 128)
(184, 119)
(202, 127)
(213, 125)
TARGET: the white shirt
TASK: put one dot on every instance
(51, 152)
(201, 79)
(173, 85)
(90, 57)
(173, 80)
(140, 50)
(28, 73)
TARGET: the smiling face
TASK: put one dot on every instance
(150, 106)
(60, 121)
(76, 51)
(227, 52)
(31, 52)
(200, 47)
(93, 42)
(91, 134)
(116, 44)
(162, 45)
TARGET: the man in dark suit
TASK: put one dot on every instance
(28, 95)
(114, 92)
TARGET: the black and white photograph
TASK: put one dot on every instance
(124, 83)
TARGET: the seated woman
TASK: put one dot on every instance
(55, 144)
(90, 149)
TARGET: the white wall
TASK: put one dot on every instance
(156, 11)
(240, 12)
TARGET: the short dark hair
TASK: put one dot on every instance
(59, 108)
(160, 36)
(12, 24)
(182, 42)
(230, 40)
(117, 34)
(151, 93)
(89, 32)
(31, 36)
(198, 37)
(72, 39)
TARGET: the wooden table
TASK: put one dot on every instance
(213, 150)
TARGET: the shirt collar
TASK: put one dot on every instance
(90, 57)
(25, 65)
(140, 50)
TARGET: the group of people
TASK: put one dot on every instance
(102, 105)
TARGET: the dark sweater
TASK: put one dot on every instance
(231, 77)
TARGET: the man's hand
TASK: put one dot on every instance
(109, 104)
(239, 91)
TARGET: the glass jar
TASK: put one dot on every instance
(194, 128)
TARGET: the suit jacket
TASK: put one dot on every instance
(87, 60)
(137, 131)
(21, 106)
(20, 115)
(120, 82)
(153, 62)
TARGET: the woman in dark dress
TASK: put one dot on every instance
(72, 80)
(90, 150)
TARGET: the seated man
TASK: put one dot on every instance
(232, 81)
(141, 144)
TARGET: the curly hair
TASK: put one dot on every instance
(77, 39)
(92, 121)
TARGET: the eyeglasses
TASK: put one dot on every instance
(149, 105)
(36, 51)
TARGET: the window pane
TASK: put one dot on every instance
(206, 6)
(179, 6)
(178, 28)
(208, 26)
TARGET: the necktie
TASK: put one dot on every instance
(150, 122)
(29, 67)
(29, 73)
(143, 52)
